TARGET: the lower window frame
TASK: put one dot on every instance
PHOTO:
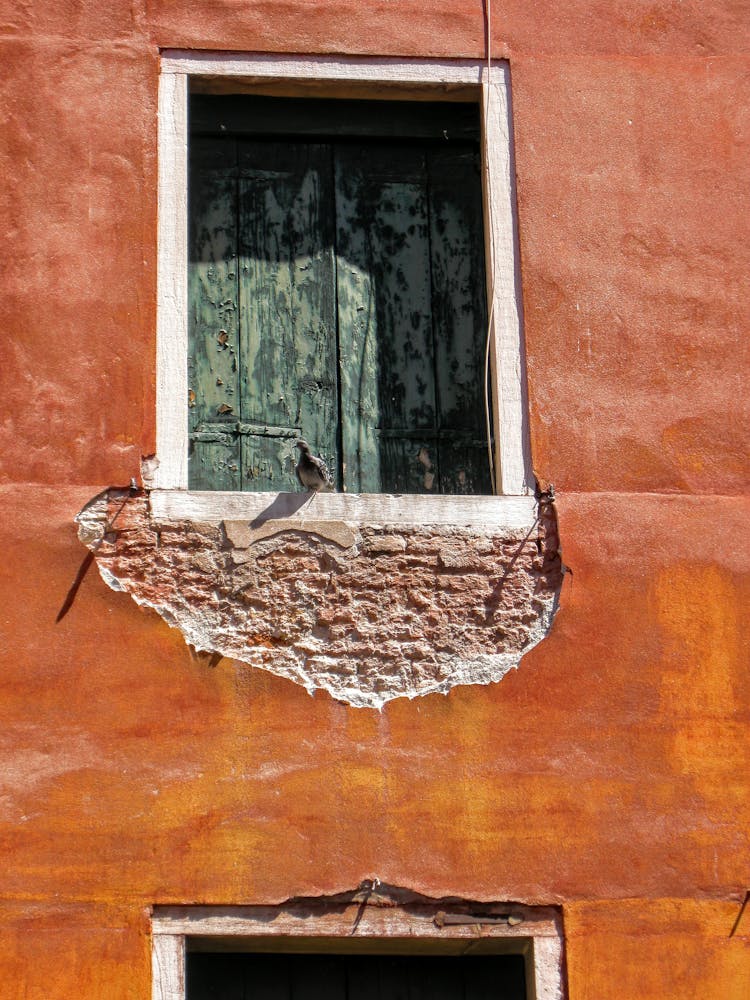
(365, 923)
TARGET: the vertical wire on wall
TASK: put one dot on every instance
(488, 216)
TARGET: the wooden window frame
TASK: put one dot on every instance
(357, 928)
(343, 77)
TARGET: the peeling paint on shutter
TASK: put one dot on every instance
(287, 313)
(214, 399)
(337, 294)
(459, 316)
(412, 320)
(383, 258)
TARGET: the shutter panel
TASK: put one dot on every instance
(213, 402)
(459, 318)
(385, 334)
(336, 293)
(288, 368)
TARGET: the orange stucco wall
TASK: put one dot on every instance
(609, 774)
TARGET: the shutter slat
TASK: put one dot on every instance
(213, 314)
(459, 317)
(385, 334)
(287, 318)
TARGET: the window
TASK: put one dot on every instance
(336, 293)
(353, 948)
(379, 408)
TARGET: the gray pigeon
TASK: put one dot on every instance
(312, 472)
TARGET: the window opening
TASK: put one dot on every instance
(336, 293)
(217, 976)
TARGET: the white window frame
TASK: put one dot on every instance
(512, 463)
(536, 933)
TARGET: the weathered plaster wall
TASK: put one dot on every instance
(368, 613)
(608, 773)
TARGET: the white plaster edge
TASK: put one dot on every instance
(374, 69)
(547, 959)
(500, 513)
(168, 967)
(510, 397)
(172, 285)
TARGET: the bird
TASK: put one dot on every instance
(312, 472)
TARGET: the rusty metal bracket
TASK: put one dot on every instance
(443, 919)
(221, 432)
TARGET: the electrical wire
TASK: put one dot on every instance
(488, 181)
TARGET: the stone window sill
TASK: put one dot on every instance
(511, 513)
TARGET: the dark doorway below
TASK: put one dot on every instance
(354, 977)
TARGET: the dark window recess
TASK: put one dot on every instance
(337, 293)
(354, 977)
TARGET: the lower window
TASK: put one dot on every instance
(361, 945)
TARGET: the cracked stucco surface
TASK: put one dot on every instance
(367, 613)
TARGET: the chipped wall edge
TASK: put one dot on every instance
(366, 612)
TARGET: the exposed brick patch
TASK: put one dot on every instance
(367, 613)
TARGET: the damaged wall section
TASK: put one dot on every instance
(367, 613)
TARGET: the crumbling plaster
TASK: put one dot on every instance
(366, 612)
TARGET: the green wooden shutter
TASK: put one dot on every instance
(385, 330)
(459, 318)
(288, 363)
(337, 293)
(213, 315)
(412, 319)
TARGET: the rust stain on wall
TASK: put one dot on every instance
(367, 613)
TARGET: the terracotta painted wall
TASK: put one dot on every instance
(609, 774)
